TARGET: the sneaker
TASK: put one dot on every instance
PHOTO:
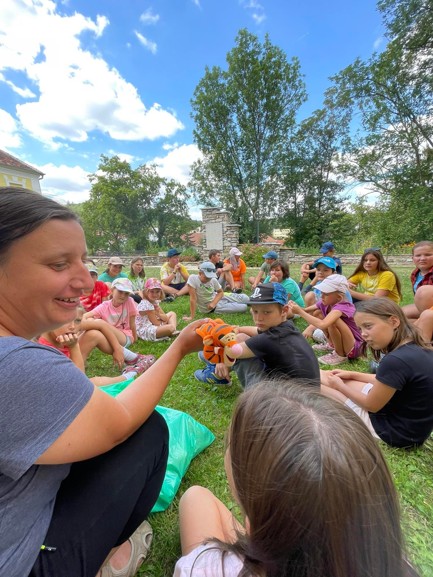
(144, 362)
(168, 299)
(332, 359)
(136, 360)
(323, 347)
(237, 291)
(203, 359)
(319, 336)
(207, 375)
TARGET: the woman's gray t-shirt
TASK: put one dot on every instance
(42, 392)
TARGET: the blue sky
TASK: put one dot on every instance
(82, 78)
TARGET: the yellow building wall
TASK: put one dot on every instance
(7, 179)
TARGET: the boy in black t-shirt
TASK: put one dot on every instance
(272, 348)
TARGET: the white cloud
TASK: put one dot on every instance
(169, 146)
(149, 17)
(24, 92)
(78, 91)
(177, 163)
(9, 136)
(123, 156)
(257, 10)
(149, 44)
(65, 183)
(377, 42)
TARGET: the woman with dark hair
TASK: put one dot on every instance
(397, 402)
(312, 486)
(375, 278)
(79, 469)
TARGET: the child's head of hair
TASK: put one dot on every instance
(313, 485)
(284, 267)
(135, 260)
(422, 243)
(153, 290)
(71, 327)
(385, 308)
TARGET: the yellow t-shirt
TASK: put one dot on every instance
(166, 271)
(384, 280)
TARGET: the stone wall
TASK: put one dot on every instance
(229, 232)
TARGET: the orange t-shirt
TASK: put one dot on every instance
(239, 272)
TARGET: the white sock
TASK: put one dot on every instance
(129, 375)
(129, 355)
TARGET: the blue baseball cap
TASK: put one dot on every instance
(326, 247)
(271, 254)
(172, 252)
(327, 261)
(268, 293)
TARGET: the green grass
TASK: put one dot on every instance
(212, 406)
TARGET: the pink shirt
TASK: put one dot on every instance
(117, 316)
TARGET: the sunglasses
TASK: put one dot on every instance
(374, 248)
(208, 269)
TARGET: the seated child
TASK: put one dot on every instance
(270, 258)
(421, 279)
(237, 268)
(173, 276)
(336, 320)
(152, 322)
(373, 277)
(206, 294)
(100, 292)
(397, 402)
(313, 489)
(110, 327)
(324, 267)
(274, 347)
(65, 340)
(279, 272)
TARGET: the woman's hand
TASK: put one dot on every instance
(188, 339)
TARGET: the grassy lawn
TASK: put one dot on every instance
(212, 406)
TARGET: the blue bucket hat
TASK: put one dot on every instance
(268, 293)
(271, 254)
(326, 247)
(327, 261)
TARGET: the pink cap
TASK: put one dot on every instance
(152, 283)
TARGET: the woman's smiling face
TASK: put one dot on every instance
(42, 277)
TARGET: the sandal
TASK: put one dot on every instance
(140, 541)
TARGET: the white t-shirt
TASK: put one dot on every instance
(205, 292)
(207, 561)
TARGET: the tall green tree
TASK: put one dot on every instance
(129, 207)
(311, 195)
(390, 95)
(244, 116)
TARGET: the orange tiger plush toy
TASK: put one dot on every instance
(219, 342)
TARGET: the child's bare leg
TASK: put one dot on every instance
(342, 338)
(425, 324)
(103, 381)
(424, 298)
(90, 340)
(202, 516)
(228, 277)
(410, 311)
(310, 299)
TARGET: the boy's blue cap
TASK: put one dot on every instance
(208, 269)
(271, 254)
(268, 293)
(172, 252)
(326, 246)
(327, 261)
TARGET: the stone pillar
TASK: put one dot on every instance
(218, 232)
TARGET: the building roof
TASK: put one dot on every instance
(7, 159)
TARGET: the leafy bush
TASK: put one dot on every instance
(190, 254)
(252, 254)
